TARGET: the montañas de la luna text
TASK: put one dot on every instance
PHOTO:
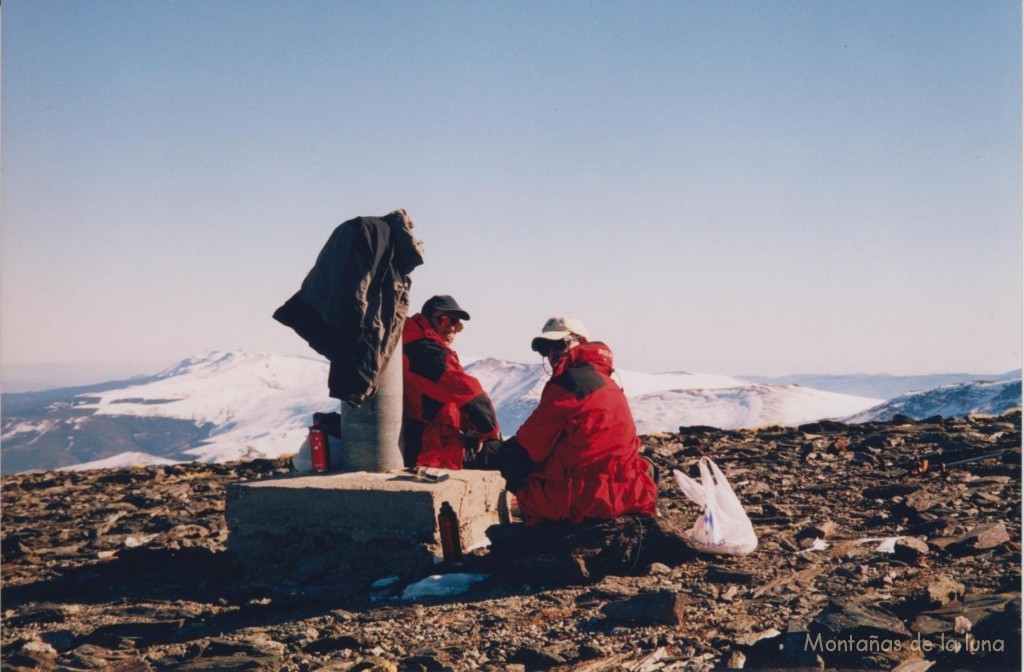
(876, 644)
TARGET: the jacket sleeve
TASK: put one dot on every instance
(480, 413)
(540, 433)
(446, 382)
(335, 312)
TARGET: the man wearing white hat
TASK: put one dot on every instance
(577, 456)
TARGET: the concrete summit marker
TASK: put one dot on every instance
(327, 526)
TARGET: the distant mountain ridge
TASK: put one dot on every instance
(987, 398)
(225, 406)
(217, 407)
(882, 386)
(19, 402)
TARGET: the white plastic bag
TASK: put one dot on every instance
(724, 527)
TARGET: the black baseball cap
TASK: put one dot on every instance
(442, 303)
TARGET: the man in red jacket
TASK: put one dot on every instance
(577, 456)
(448, 421)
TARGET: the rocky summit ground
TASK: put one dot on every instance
(127, 570)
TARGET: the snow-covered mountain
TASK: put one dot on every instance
(259, 404)
(230, 405)
(214, 408)
(948, 400)
(514, 389)
(742, 407)
(665, 401)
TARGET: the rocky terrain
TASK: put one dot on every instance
(863, 563)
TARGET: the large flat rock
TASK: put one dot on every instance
(332, 525)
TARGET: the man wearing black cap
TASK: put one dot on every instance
(448, 421)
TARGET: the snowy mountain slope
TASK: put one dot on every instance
(514, 389)
(259, 404)
(218, 407)
(666, 401)
(948, 400)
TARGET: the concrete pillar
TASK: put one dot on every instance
(370, 433)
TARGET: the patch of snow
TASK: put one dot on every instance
(121, 460)
(39, 428)
(385, 582)
(141, 540)
(483, 543)
(816, 545)
(888, 545)
(440, 585)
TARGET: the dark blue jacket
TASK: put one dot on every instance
(353, 302)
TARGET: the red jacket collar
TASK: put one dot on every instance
(597, 354)
(418, 328)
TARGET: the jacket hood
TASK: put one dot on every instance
(408, 248)
(596, 353)
(418, 328)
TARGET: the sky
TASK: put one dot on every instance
(731, 187)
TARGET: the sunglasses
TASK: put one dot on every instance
(548, 347)
(455, 322)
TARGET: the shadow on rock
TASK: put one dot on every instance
(195, 574)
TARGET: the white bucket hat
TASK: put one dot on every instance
(558, 329)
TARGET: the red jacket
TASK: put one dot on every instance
(583, 441)
(441, 401)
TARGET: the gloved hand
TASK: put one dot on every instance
(486, 456)
(471, 442)
(516, 464)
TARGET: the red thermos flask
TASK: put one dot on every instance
(318, 449)
(448, 524)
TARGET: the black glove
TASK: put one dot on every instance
(470, 444)
(516, 464)
(488, 457)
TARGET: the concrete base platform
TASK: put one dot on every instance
(324, 526)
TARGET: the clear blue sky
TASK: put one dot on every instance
(728, 187)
